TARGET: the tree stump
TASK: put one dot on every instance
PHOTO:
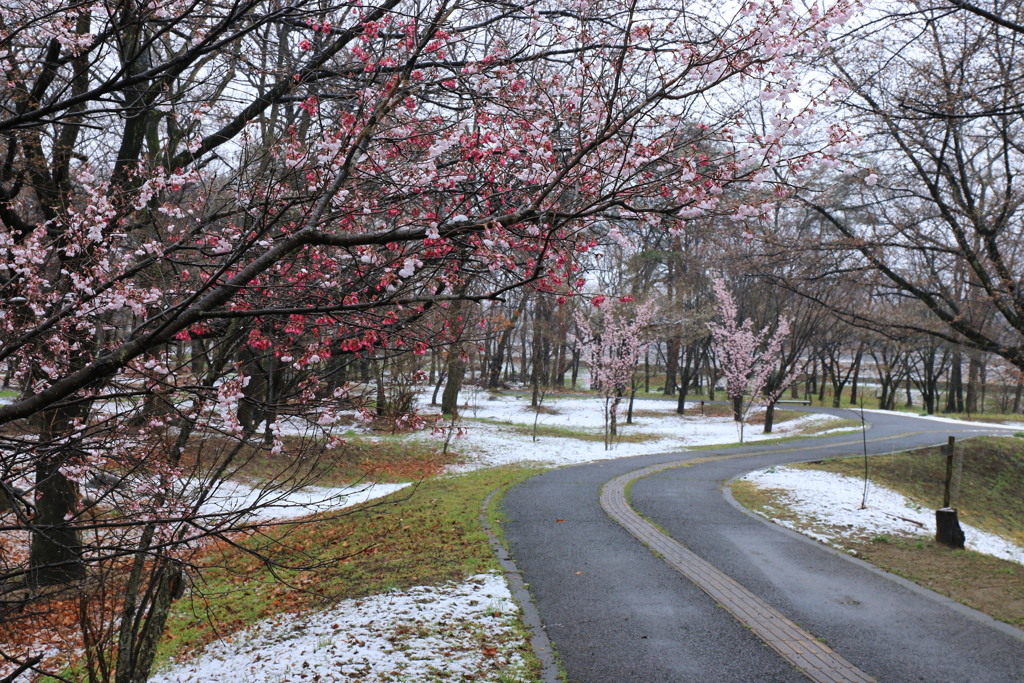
(947, 528)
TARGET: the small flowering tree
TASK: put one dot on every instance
(746, 357)
(612, 340)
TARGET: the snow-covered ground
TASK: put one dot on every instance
(501, 439)
(231, 496)
(831, 505)
(950, 420)
(453, 632)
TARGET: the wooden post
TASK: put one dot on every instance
(957, 478)
(947, 525)
(948, 451)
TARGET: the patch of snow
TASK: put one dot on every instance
(501, 440)
(233, 497)
(53, 656)
(831, 502)
(952, 420)
(456, 631)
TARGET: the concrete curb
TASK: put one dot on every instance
(531, 617)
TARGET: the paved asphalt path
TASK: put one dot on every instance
(617, 613)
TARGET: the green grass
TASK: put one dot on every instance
(993, 481)
(985, 417)
(429, 537)
(818, 428)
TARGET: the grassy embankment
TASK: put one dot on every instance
(993, 478)
(427, 534)
(422, 536)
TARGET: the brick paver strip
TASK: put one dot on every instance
(817, 661)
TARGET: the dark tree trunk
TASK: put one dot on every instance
(983, 376)
(769, 418)
(930, 395)
(524, 360)
(252, 409)
(56, 544)
(712, 376)
(456, 372)
(542, 361)
(671, 364)
(647, 370)
(382, 396)
(928, 398)
(955, 386)
(685, 377)
(536, 367)
(140, 633)
(55, 554)
(824, 382)
(855, 381)
(973, 370)
(559, 368)
(198, 359)
(437, 388)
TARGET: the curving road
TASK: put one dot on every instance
(618, 612)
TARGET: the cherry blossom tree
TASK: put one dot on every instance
(612, 339)
(747, 357)
(208, 209)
